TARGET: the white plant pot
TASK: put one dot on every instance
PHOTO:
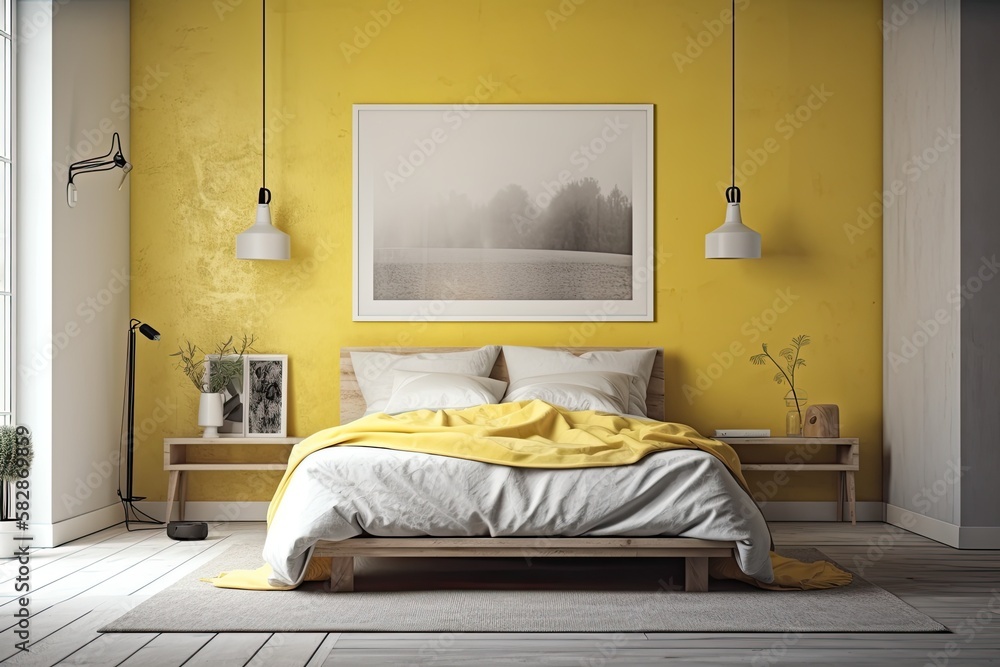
(210, 414)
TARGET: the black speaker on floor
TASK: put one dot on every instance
(187, 530)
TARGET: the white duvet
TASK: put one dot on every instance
(341, 492)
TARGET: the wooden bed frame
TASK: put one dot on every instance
(694, 552)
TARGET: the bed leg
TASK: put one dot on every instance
(342, 575)
(695, 574)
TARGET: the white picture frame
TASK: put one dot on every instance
(233, 411)
(455, 215)
(265, 391)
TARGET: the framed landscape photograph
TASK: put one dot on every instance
(503, 212)
(265, 388)
(233, 414)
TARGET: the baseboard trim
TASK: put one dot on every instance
(935, 529)
(819, 511)
(978, 537)
(960, 537)
(53, 534)
(212, 511)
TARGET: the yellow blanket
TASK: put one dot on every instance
(530, 434)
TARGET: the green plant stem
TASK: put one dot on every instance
(791, 382)
(795, 364)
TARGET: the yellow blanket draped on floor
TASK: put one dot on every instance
(530, 434)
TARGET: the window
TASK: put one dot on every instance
(7, 223)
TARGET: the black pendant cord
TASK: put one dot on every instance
(733, 192)
(263, 91)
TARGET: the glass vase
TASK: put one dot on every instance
(793, 419)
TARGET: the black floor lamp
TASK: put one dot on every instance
(131, 511)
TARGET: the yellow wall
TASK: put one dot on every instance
(195, 129)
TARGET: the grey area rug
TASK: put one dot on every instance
(512, 595)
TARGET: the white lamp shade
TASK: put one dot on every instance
(733, 240)
(262, 240)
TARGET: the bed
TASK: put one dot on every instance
(680, 504)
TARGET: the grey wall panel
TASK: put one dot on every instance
(980, 313)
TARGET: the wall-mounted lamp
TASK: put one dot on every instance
(263, 240)
(733, 240)
(111, 160)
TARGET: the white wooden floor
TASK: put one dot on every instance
(80, 586)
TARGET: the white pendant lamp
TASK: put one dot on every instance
(263, 240)
(733, 240)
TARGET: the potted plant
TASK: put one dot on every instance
(211, 376)
(15, 461)
(796, 397)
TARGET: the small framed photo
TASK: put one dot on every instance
(265, 388)
(233, 414)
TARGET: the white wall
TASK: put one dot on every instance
(34, 243)
(72, 322)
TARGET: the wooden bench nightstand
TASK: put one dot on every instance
(848, 461)
(175, 461)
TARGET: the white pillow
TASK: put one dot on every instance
(525, 362)
(439, 391)
(589, 390)
(374, 369)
